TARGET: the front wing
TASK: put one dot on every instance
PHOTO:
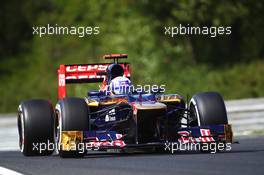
(97, 140)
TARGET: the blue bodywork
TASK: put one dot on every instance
(108, 121)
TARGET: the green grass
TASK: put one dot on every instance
(37, 79)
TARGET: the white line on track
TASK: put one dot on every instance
(5, 171)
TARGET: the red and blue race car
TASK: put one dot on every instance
(117, 116)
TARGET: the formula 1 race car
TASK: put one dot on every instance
(117, 116)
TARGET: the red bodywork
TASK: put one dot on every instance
(86, 73)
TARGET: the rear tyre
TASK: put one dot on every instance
(72, 114)
(208, 108)
(35, 127)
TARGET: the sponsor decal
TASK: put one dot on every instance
(61, 79)
(84, 68)
(110, 116)
(187, 138)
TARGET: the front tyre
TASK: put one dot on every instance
(208, 108)
(35, 127)
(72, 114)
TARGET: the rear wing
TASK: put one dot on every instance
(84, 73)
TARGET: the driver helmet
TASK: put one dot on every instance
(120, 85)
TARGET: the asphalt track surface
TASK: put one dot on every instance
(247, 157)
